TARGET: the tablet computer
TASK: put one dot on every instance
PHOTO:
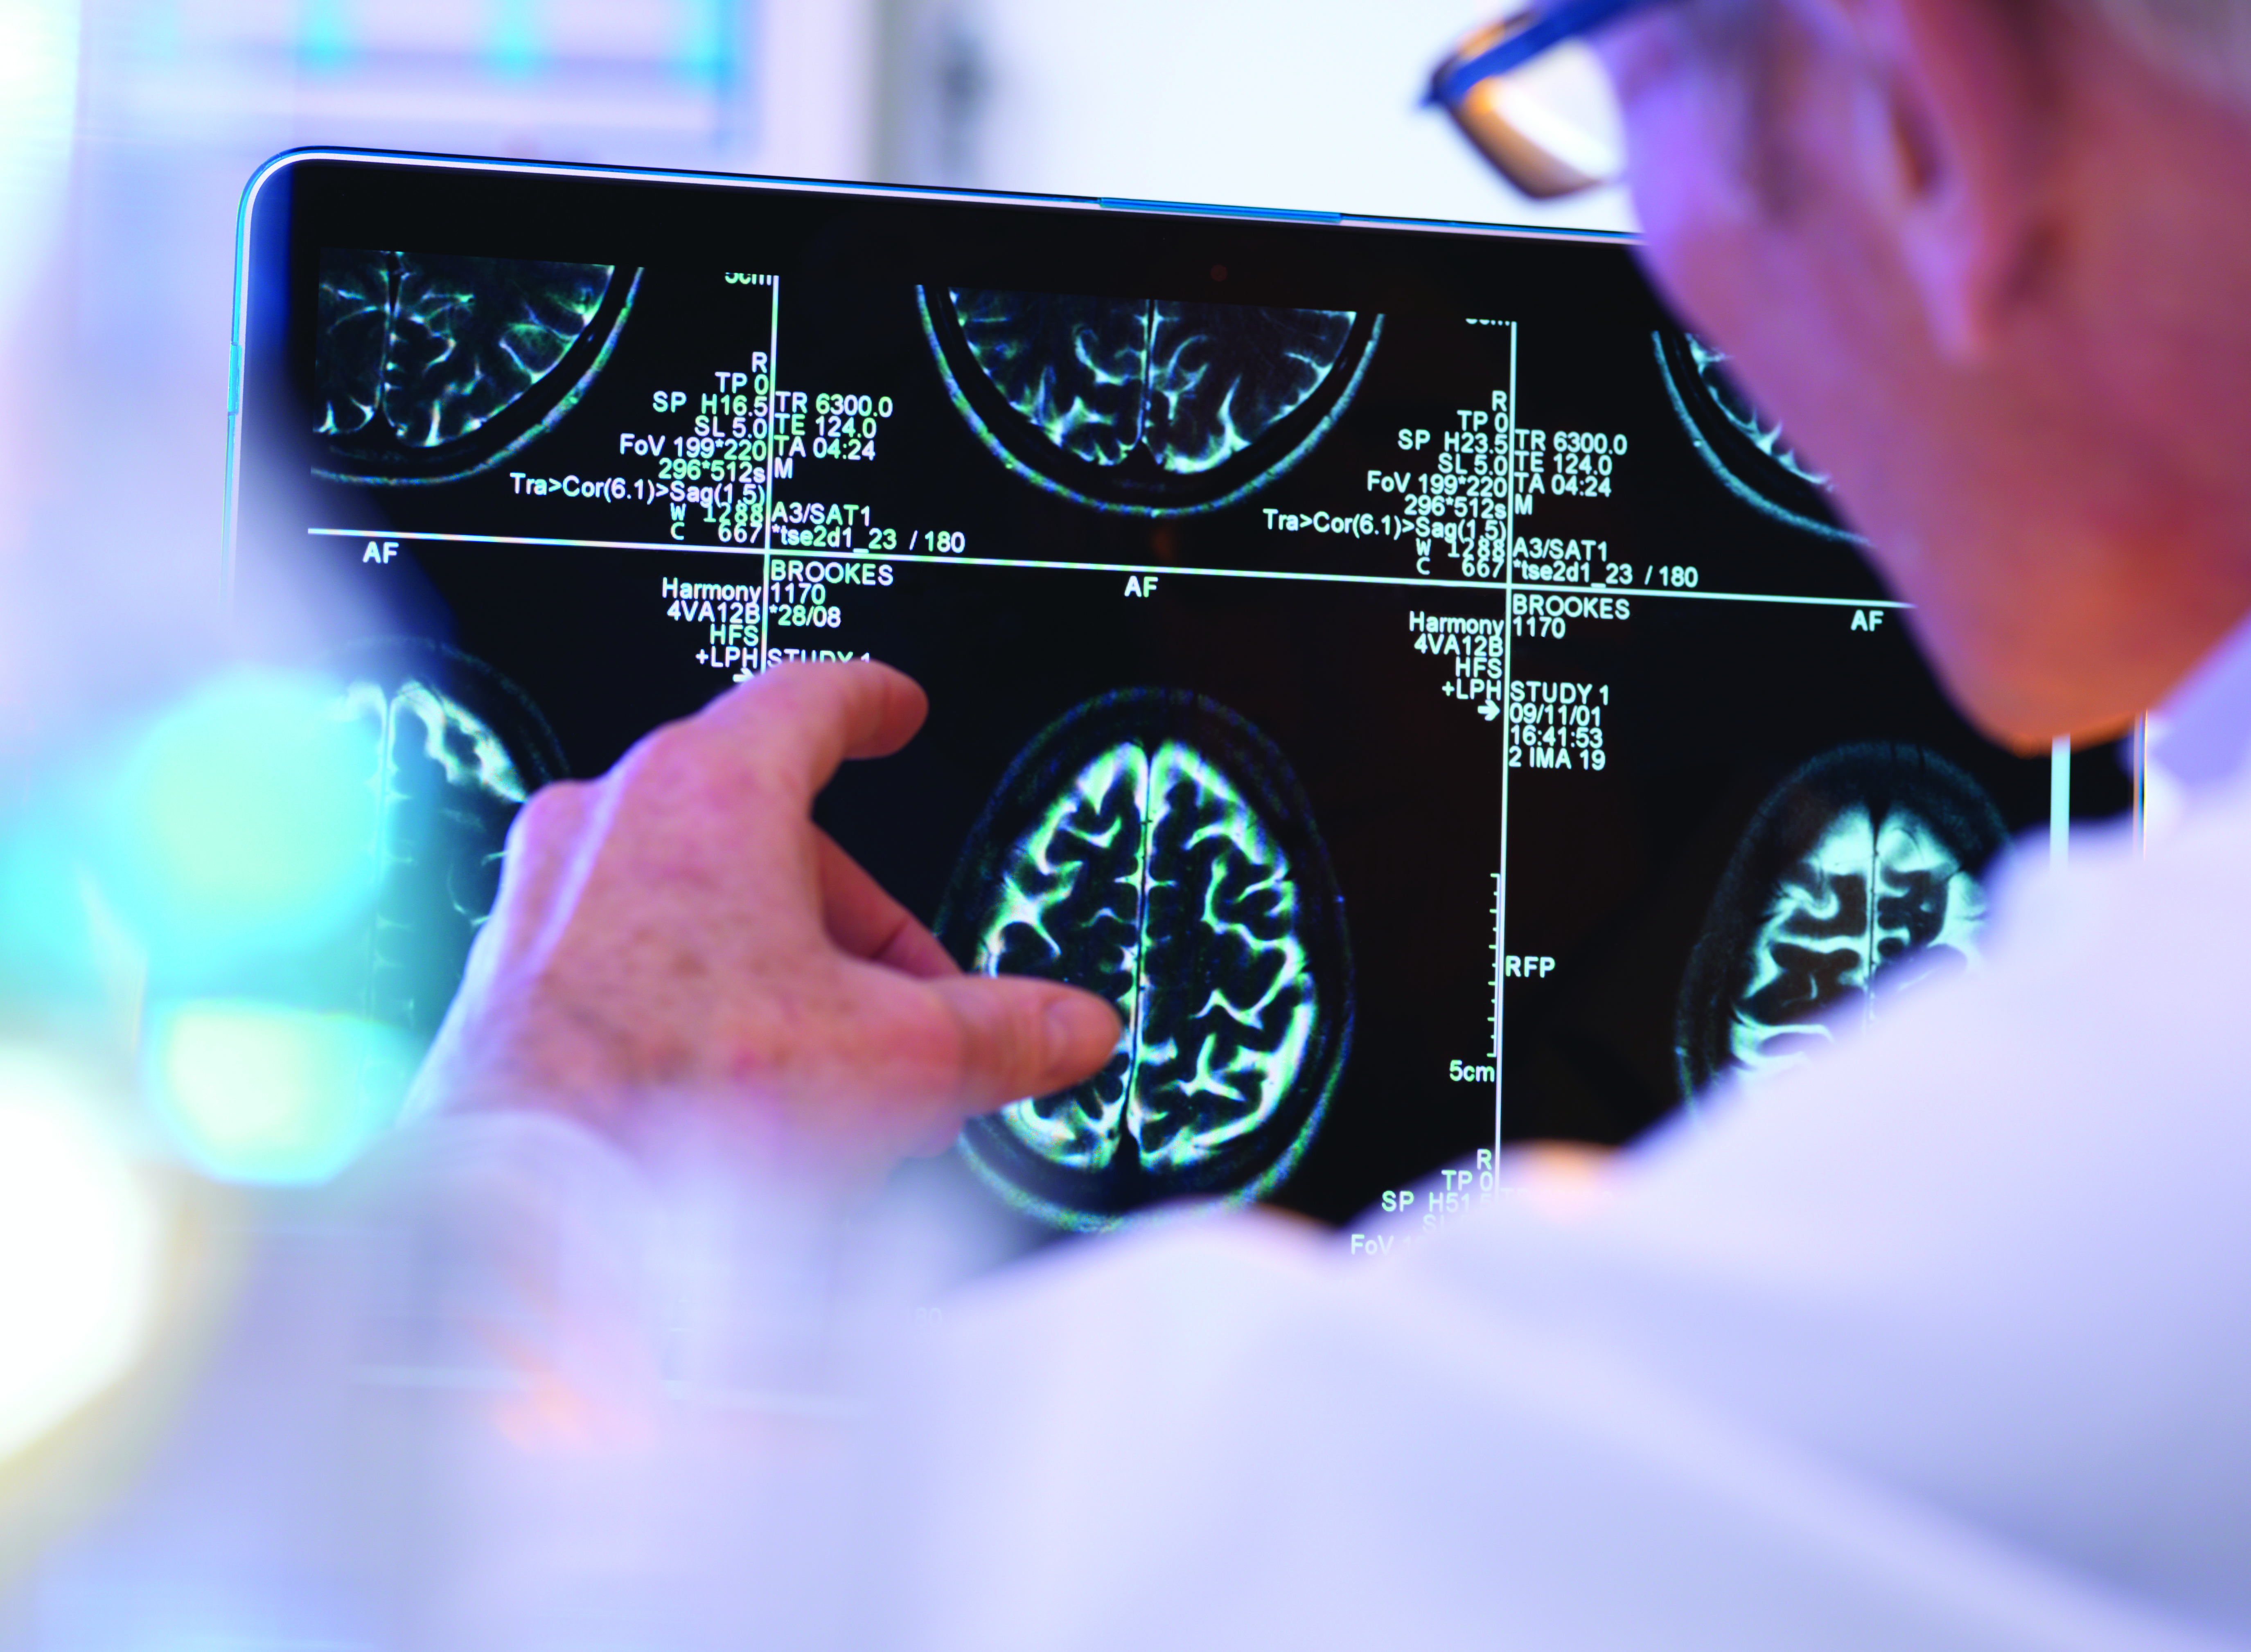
(1392, 661)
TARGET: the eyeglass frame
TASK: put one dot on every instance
(1522, 38)
(1543, 28)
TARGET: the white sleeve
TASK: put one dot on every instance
(1226, 1438)
(1940, 1345)
(500, 1393)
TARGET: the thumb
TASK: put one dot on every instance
(1020, 1037)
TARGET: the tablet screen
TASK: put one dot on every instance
(1395, 664)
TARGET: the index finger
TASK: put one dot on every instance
(802, 719)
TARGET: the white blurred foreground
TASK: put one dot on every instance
(1905, 1350)
(1900, 1353)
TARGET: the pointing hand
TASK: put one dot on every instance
(678, 940)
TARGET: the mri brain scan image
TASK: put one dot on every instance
(1153, 846)
(458, 749)
(1153, 406)
(1746, 450)
(430, 368)
(1859, 880)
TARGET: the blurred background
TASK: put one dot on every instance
(128, 128)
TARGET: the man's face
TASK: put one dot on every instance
(1758, 156)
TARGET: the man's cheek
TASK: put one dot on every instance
(1689, 244)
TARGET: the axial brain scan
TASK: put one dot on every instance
(1153, 848)
(457, 750)
(430, 367)
(1859, 879)
(1747, 451)
(1154, 406)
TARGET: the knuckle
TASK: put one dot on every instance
(676, 761)
(782, 691)
(663, 751)
(551, 811)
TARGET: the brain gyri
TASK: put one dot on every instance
(1148, 404)
(1859, 880)
(1747, 451)
(419, 354)
(456, 751)
(1876, 906)
(448, 789)
(1195, 383)
(1149, 873)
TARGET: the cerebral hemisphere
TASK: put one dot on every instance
(419, 353)
(1857, 879)
(1738, 409)
(1150, 877)
(1152, 405)
(1875, 906)
(447, 788)
(1747, 451)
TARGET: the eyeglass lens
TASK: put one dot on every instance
(1551, 126)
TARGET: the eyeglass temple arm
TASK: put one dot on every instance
(1454, 80)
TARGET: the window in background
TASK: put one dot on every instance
(781, 85)
(1295, 103)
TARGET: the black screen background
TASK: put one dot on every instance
(1610, 873)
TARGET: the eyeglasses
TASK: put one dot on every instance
(1529, 92)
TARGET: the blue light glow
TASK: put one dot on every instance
(241, 823)
(263, 1094)
(515, 44)
(326, 39)
(706, 49)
